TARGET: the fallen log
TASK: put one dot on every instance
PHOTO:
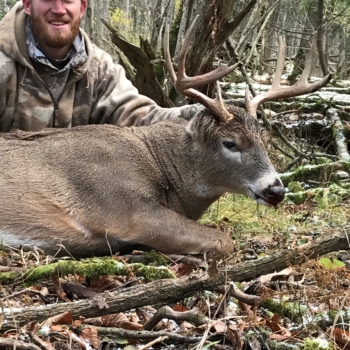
(166, 291)
(321, 172)
(338, 135)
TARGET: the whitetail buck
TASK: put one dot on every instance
(102, 189)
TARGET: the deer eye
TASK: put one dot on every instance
(229, 144)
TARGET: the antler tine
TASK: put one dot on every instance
(186, 85)
(185, 82)
(280, 63)
(167, 56)
(276, 91)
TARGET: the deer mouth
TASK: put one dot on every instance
(271, 196)
(260, 199)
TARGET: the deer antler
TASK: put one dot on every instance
(276, 91)
(186, 85)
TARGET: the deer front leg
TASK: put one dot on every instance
(169, 232)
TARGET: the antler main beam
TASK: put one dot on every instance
(186, 85)
(277, 92)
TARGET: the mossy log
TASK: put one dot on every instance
(339, 135)
(92, 268)
(166, 291)
(321, 172)
(332, 194)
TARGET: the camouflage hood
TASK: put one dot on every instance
(13, 42)
(94, 92)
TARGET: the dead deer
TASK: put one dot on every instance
(102, 189)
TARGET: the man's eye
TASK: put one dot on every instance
(229, 144)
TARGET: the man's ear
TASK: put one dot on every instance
(82, 8)
(26, 6)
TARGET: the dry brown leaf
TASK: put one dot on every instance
(31, 327)
(219, 326)
(234, 337)
(58, 287)
(56, 328)
(186, 326)
(340, 336)
(281, 275)
(276, 318)
(64, 318)
(182, 269)
(134, 318)
(112, 320)
(180, 308)
(280, 333)
(274, 326)
(119, 320)
(105, 283)
(280, 336)
(91, 335)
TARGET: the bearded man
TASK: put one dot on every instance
(51, 75)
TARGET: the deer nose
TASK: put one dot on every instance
(276, 193)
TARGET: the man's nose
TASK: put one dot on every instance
(58, 7)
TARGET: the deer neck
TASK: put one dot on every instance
(187, 190)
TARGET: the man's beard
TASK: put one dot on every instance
(45, 37)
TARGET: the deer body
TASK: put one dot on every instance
(103, 189)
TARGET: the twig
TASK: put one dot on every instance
(245, 298)
(155, 341)
(276, 146)
(125, 333)
(8, 343)
(191, 316)
(25, 291)
(41, 343)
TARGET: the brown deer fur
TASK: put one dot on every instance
(102, 189)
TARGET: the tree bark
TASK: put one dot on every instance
(320, 39)
(216, 27)
(338, 135)
(163, 292)
(145, 79)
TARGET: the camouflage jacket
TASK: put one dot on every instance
(96, 91)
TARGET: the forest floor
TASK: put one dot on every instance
(304, 306)
(120, 303)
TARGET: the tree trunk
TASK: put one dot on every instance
(217, 25)
(140, 58)
(320, 38)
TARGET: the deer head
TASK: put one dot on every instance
(233, 133)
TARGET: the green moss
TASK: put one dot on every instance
(8, 277)
(344, 314)
(280, 345)
(152, 273)
(92, 268)
(317, 344)
(300, 197)
(293, 311)
(153, 257)
(346, 165)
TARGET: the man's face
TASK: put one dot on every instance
(55, 23)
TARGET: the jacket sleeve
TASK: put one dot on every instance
(118, 102)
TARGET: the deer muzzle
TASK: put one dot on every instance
(274, 194)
